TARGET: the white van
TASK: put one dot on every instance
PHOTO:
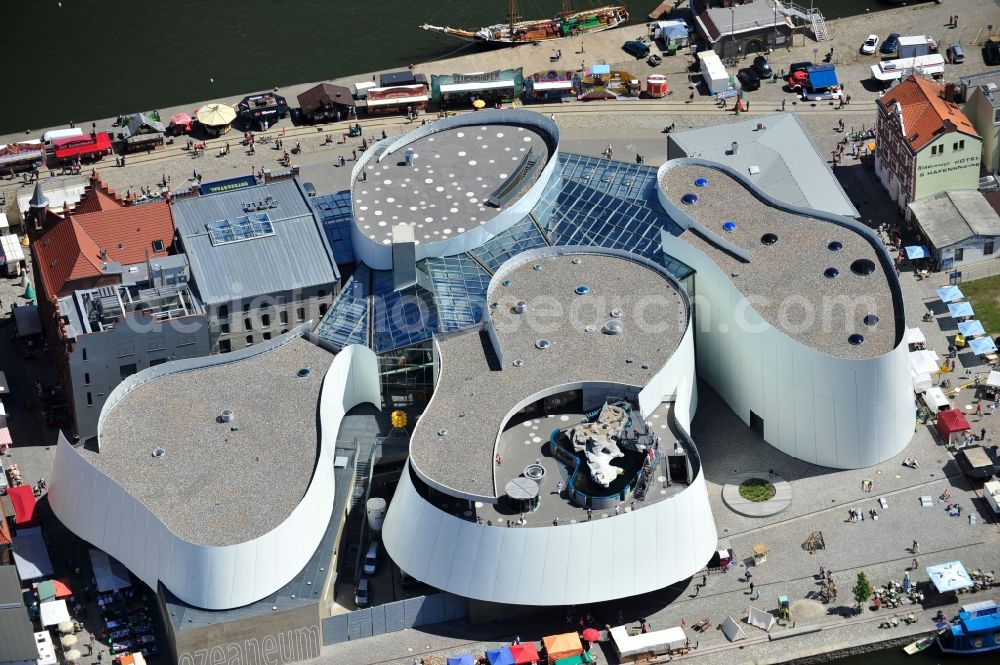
(361, 595)
(53, 134)
(371, 559)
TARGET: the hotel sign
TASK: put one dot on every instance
(957, 165)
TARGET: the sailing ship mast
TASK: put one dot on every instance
(512, 11)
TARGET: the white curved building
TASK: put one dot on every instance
(214, 476)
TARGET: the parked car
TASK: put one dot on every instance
(890, 44)
(309, 189)
(991, 53)
(748, 79)
(654, 60)
(955, 54)
(371, 559)
(798, 67)
(762, 67)
(870, 45)
(361, 598)
(820, 94)
(636, 49)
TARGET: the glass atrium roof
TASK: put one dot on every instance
(334, 213)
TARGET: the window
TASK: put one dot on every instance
(283, 316)
(224, 328)
(156, 342)
(157, 245)
(83, 352)
(247, 324)
(959, 254)
(300, 313)
(267, 335)
(987, 248)
(996, 116)
(157, 361)
(223, 311)
(90, 399)
(126, 371)
(249, 340)
(961, 144)
(246, 308)
(265, 320)
(126, 349)
(86, 377)
(225, 346)
(186, 340)
(322, 308)
(282, 300)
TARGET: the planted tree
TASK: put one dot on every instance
(862, 590)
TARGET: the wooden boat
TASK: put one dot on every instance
(919, 645)
(566, 24)
(977, 630)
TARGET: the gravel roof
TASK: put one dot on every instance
(443, 193)
(787, 279)
(472, 400)
(215, 486)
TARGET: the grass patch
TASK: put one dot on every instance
(984, 294)
(756, 490)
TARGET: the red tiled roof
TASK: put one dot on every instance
(96, 201)
(66, 253)
(925, 112)
(128, 232)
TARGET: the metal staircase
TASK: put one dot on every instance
(811, 16)
(355, 525)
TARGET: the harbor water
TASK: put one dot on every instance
(76, 60)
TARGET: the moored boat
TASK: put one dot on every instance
(566, 24)
(919, 645)
(976, 631)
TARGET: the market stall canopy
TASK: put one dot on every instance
(324, 95)
(971, 328)
(914, 252)
(600, 70)
(591, 634)
(993, 379)
(524, 653)
(27, 322)
(479, 104)
(73, 655)
(67, 641)
(951, 421)
(949, 576)
(760, 549)
(500, 656)
(658, 640)
(53, 589)
(923, 362)
(216, 114)
(960, 310)
(30, 554)
(180, 119)
(464, 659)
(23, 498)
(915, 336)
(562, 646)
(950, 294)
(982, 345)
(54, 612)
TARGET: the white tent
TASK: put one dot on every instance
(915, 336)
(949, 576)
(54, 612)
(30, 555)
(761, 619)
(923, 362)
(732, 630)
(656, 641)
(993, 379)
(110, 575)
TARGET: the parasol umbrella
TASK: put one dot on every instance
(591, 634)
(180, 119)
(67, 641)
(216, 115)
(479, 104)
(73, 655)
(65, 627)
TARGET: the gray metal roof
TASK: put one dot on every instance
(139, 120)
(988, 82)
(791, 168)
(296, 256)
(17, 637)
(948, 218)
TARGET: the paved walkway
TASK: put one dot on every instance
(782, 496)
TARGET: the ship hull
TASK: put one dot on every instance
(527, 32)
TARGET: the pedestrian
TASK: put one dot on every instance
(704, 580)
(691, 96)
(364, 176)
(913, 565)
(590, 514)
(782, 104)
(982, 434)
(749, 575)
(91, 645)
(751, 588)
(841, 124)
(951, 20)
(748, 104)
(517, 639)
(915, 548)
(354, 155)
(618, 509)
(559, 488)
(953, 364)
(954, 22)
(848, 99)
(979, 409)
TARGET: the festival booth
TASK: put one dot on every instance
(461, 90)
(24, 156)
(217, 119)
(23, 498)
(142, 131)
(951, 422)
(656, 86)
(11, 252)
(263, 110)
(180, 123)
(923, 364)
(398, 99)
(601, 82)
(950, 294)
(463, 659)
(524, 653)
(54, 613)
(327, 102)
(30, 554)
(558, 647)
(88, 146)
(950, 576)
(551, 86)
(501, 656)
(961, 310)
(53, 590)
(654, 643)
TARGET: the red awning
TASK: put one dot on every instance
(62, 589)
(524, 653)
(951, 421)
(23, 498)
(82, 146)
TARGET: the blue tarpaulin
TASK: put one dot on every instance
(971, 328)
(960, 309)
(464, 659)
(982, 345)
(823, 76)
(950, 294)
(500, 656)
(917, 252)
(600, 69)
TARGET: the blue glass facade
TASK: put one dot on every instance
(334, 213)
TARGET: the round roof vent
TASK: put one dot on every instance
(520, 306)
(582, 290)
(442, 432)
(494, 305)
(506, 282)
(518, 362)
(689, 199)
(856, 339)
(537, 266)
(613, 327)
(535, 472)
(617, 312)
(543, 343)
(729, 226)
(589, 328)
(871, 319)
(701, 182)
(863, 267)
(835, 246)
(577, 261)
(629, 360)
(304, 372)
(768, 239)
(831, 272)
(159, 452)
(227, 416)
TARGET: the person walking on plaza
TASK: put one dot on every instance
(915, 548)
(982, 434)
